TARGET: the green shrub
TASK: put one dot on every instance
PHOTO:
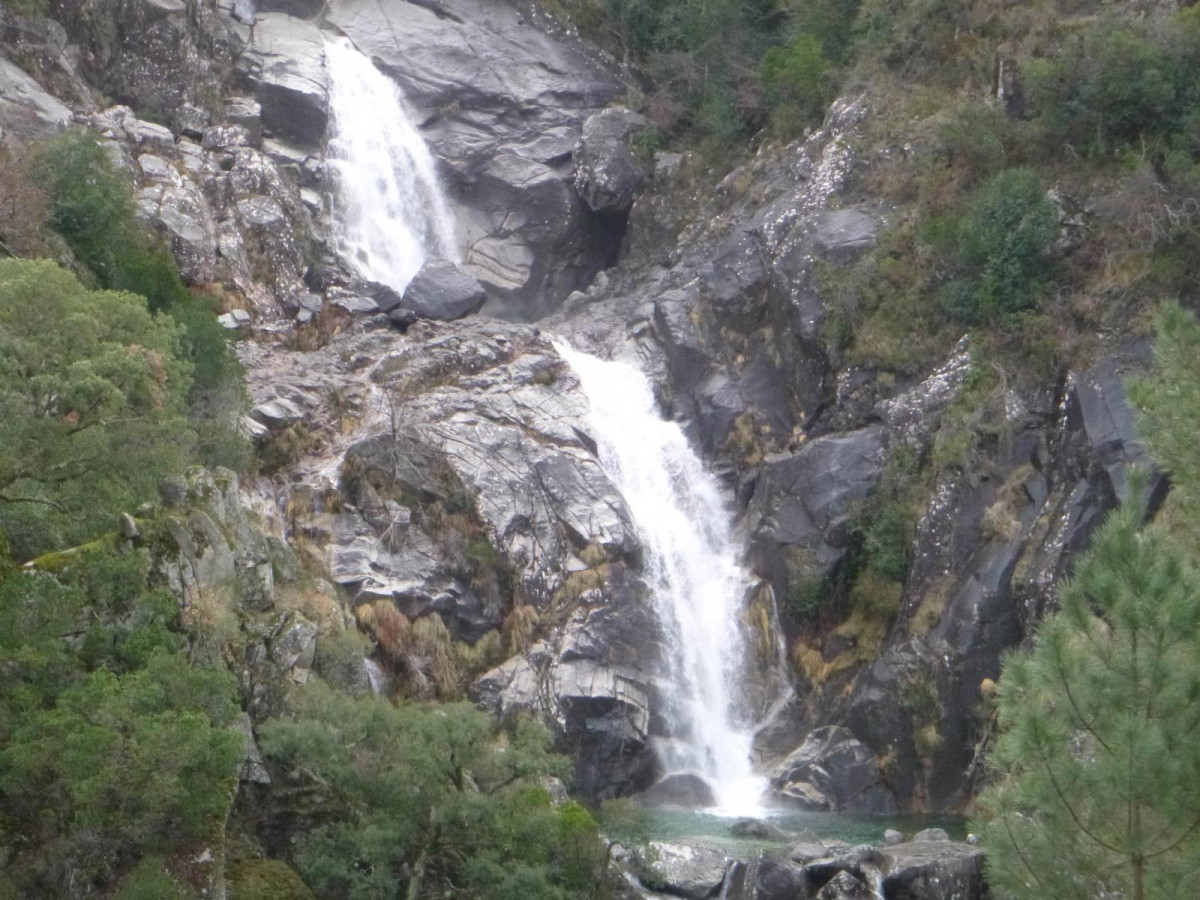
(1110, 87)
(1003, 240)
(92, 208)
(112, 746)
(797, 84)
(432, 801)
(150, 881)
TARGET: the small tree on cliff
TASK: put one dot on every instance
(1098, 788)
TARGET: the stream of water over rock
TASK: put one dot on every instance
(390, 214)
(692, 563)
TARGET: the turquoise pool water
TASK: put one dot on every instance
(700, 827)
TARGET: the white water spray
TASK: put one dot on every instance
(389, 211)
(692, 564)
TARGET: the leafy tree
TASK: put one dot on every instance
(1098, 788)
(119, 766)
(92, 397)
(425, 800)
(1002, 246)
(111, 745)
(1109, 88)
(92, 209)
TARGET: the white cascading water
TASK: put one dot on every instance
(389, 211)
(693, 566)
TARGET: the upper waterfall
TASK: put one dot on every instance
(693, 567)
(389, 211)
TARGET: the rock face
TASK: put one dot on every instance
(502, 105)
(469, 482)
(803, 501)
(27, 111)
(689, 871)
(287, 59)
(833, 771)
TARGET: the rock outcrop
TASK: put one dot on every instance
(502, 105)
(812, 870)
(469, 488)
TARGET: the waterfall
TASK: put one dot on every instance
(389, 210)
(692, 563)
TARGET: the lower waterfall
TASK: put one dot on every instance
(389, 211)
(692, 564)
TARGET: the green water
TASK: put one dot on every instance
(700, 827)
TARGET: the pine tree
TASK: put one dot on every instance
(1169, 406)
(1098, 766)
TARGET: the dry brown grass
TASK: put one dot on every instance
(387, 625)
(315, 601)
(431, 644)
(932, 606)
(520, 628)
(475, 659)
(1001, 521)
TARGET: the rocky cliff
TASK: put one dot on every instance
(444, 467)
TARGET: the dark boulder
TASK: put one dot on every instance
(607, 175)
(440, 290)
(934, 870)
(803, 501)
(833, 770)
(293, 89)
(757, 829)
(779, 878)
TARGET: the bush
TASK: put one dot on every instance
(432, 801)
(1003, 241)
(1111, 87)
(797, 84)
(112, 746)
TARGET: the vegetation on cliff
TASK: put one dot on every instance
(1095, 790)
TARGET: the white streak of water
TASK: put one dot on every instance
(693, 566)
(390, 214)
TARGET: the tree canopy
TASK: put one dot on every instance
(92, 396)
(422, 800)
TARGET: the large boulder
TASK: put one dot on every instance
(686, 870)
(175, 206)
(937, 870)
(440, 290)
(833, 771)
(27, 111)
(607, 175)
(680, 789)
(288, 56)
